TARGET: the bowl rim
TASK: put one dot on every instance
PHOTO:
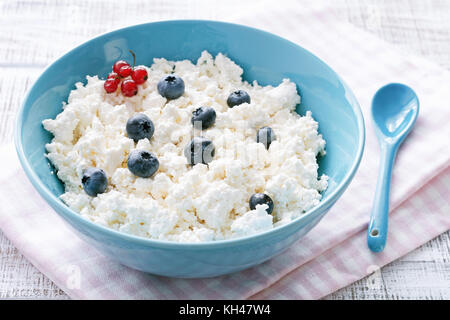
(70, 214)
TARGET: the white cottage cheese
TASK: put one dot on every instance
(180, 202)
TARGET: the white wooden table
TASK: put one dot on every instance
(35, 32)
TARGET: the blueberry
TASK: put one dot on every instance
(238, 97)
(94, 181)
(266, 136)
(199, 150)
(205, 115)
(140, 127)
(142, 163)
(171, 86)
(261, 198)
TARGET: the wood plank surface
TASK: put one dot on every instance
(33, 33)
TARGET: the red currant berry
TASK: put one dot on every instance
(139, 75)
(113, 76)
(119, 64)
(125, 71)
(111, 85)
(129, 88)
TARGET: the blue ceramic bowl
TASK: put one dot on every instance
(264, 57)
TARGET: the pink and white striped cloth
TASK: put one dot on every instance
(332, 255)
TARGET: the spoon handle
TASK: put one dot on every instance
(378, 224)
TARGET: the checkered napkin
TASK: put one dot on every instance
(333, 254)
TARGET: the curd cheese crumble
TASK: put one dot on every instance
(183, 202)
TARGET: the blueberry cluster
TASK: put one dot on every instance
(141, 163)
(199, 150)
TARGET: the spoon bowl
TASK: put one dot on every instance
(395, 108)
(394, 111)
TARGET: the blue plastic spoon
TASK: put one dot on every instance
(394, 111)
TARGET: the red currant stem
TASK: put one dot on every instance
(134, 57)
